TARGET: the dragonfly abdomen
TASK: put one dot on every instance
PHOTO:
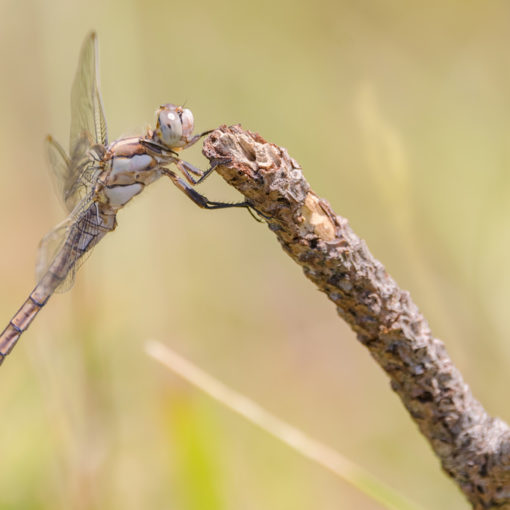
(82, 236)
(46, 286)
(20, 322)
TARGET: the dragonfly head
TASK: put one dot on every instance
(174, 126)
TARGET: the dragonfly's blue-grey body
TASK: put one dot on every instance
(97, 179)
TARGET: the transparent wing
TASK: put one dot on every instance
(64, 248)
(75, 175)
(67, 246)
(51, 244)
(59, 164)
(87, 117)
(74, 180)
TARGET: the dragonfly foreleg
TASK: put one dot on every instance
(193, 140)
(199, 199)
(156, 147)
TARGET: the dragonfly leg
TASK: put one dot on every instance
(186, 167)
(199, 199)
(156, 147)
(193, 140)
(213, 166)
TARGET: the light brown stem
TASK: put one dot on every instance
(473, 447)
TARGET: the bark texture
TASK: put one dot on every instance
(474, 448)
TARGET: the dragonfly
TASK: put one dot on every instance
(96, 179)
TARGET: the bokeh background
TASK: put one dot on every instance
(398, 112)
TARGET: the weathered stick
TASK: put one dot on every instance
(474, 448)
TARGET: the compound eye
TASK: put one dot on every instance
(187, 123)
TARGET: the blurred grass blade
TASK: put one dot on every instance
(197, 482)
(293, 437)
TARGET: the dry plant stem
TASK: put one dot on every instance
(474, 448)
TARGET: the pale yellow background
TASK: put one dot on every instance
(399, 113)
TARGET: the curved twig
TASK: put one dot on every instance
(473, 447)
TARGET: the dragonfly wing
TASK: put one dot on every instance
(73, 180)
(49, 247)
(67, 246)
(59, 164)
(75, 175)
(87, 116)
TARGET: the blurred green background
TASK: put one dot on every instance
(399, 113)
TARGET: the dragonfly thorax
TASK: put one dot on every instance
(174, 126)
